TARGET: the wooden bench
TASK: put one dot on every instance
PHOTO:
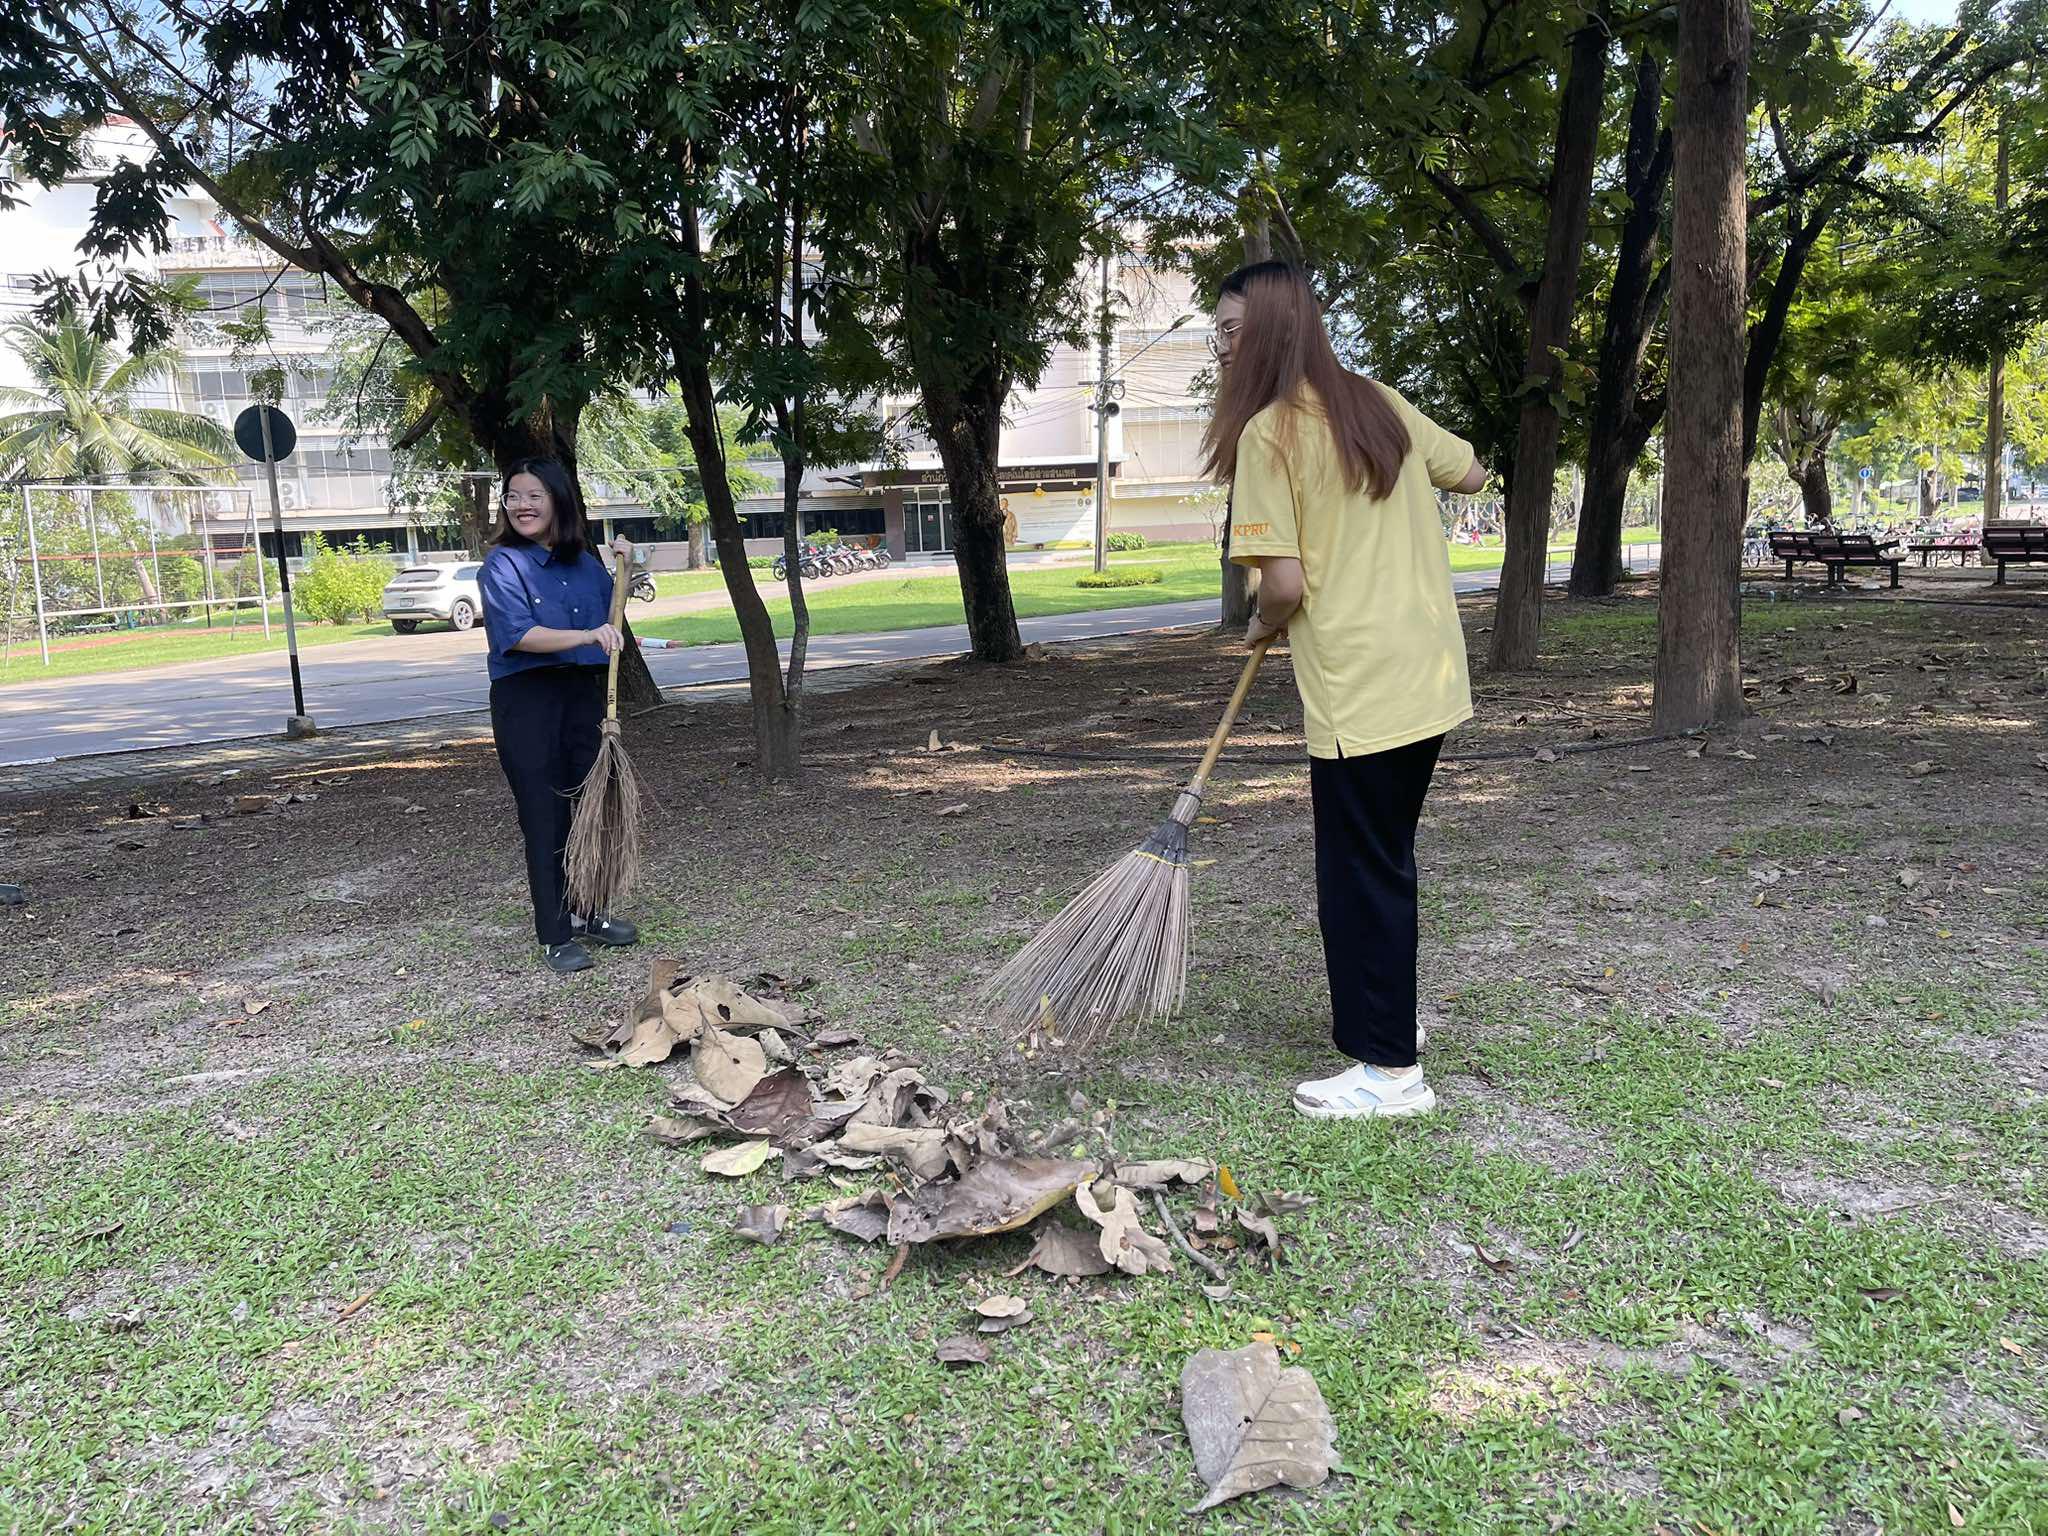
(2025, 544)
(1961, 548)
(1839, 551)
(1791, 546)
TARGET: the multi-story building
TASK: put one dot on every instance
(340, 486)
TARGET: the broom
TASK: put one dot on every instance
(1119, 951)
(603, 853)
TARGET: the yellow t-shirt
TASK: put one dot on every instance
(1379, 656)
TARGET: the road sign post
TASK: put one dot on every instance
(266, 435)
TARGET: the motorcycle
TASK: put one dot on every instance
(642, 587)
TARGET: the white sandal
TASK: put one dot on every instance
(1363, 1092)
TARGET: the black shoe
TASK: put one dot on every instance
(613, 931)
(566, 959)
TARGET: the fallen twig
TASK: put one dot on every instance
(895, 1266)
(355, 1306)
(1180, 1242)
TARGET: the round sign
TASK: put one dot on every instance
(1863, 473)
(249, 433)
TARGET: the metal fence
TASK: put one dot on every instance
(102, 554)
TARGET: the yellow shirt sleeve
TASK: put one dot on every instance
(1264, 510)
(1447, 455)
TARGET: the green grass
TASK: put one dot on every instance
(135, 649)
(689, 583)
(925, 601)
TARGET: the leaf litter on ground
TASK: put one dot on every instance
(948, 1174)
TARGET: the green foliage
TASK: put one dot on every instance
(1119, 542)
(82, 419)
(1148, 577)
(338, 585)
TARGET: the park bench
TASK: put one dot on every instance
(2025, 544)
(1791, 546)
(1839, 551)
(1961, 547)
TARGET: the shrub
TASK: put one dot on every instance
(1124, 541)
(338, 585)
(1148, 578)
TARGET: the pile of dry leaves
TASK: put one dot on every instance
(768, 1080)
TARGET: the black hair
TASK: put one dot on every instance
(1240, 281)
(572, 523)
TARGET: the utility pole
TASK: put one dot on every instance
(1105, 406)
(1994, 403)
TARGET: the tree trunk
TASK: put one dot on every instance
(1519, 611)
(968, 428)
(1816, 490)
(1994, 384)
(473, 513)
(1929, 501)
(1622, 422)
(776, 739)
(1769, 331)
(1699, 619)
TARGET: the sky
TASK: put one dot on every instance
(1924, 10)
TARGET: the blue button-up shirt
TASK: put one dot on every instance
(525, 586)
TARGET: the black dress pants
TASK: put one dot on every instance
(1366, 809)
(545, 721)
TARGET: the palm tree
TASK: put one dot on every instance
(81, 421)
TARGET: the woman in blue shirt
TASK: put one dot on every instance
(547, 606)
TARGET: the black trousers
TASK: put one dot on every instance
(1366, 809)
(545, 721)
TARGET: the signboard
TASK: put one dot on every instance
(249, 433)
(1010, 474)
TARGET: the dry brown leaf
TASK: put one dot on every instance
(865, 1216)
(998, 1194)
(1205, 1219)
(1163, 1173)
(1001, 1306)
(1004, 1324)
(778, 1107)
(1500, 1264)
(736, 1162)
(1262, 1229)
(923, 1149)
(952, 810)
(762, 1223)
(1923, 768)
(832, 1039)
(1124, 1242)
(963, 1349)
(678, 1130)
(900, 1097)
(1065, 1251)
(1253, 1423)
(727, 1065)
(1546, 755)
(1280, 1202)
(932, 743)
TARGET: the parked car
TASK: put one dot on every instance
(445, 592)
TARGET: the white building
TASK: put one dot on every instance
(1048, 460)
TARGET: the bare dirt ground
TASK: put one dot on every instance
(1732, 1219)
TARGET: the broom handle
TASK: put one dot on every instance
(1244, 688)
(622, 577)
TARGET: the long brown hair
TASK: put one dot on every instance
(1282, 348)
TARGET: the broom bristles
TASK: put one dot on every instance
(1117, 955)
(603, 853)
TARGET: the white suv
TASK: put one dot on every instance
(422, 592)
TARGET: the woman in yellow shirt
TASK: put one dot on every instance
(1333, 498)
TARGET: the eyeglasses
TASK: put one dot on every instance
(1226, 331)
(540, 501)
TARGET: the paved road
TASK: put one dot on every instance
(409, 677)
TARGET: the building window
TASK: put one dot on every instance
(928, 527)
(848, 522)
